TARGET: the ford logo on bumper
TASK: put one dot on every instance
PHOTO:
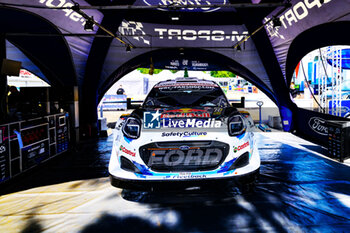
(184, 147)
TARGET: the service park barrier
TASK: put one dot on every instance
(110, 104)
(25, 144)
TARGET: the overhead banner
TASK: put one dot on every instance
(67, 21)
(198, 5)
(181, 64)
(301, 16)
(220, 39)
(160, 35)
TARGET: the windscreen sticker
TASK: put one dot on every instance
(153, 120)
(186, 113)
(186, 86)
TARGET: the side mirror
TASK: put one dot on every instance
(131, 106)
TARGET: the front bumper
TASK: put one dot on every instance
(219, 182)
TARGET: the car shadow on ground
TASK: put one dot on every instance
(87, 161)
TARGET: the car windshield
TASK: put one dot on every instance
(186, 97)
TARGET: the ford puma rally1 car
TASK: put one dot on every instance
(185, 132)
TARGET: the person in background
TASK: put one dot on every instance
(122, 97)
(308, 90)
(120, 90)
(14, 101)
(293, 92)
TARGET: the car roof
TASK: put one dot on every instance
(191, 80)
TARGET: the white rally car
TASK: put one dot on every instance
(185, 133)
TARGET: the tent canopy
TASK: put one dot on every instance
(197, 35)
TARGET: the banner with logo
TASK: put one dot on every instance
(146, 34)
(67, 21)
(4, 153)
(301, 16)
(220, 39)
(205, 5)
(312, 125)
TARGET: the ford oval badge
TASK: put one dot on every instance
(184, 147)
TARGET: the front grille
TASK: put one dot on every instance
(184, 156)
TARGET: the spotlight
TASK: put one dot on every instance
(76, 7)
(128, 49)
(175, 16)
(276, 22)
(182, 51)
(89, 24)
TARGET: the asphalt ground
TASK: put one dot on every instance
(299, 190)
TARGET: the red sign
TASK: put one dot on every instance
(235, 149)
(126, 151)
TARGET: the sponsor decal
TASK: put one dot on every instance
(173, 158)
(271, 30)
(192, 176)
(297, 12)
(142, 34)
(126, 151)
(195, 4)
(134, 29)
(184, 134)
(217, 111)
(69, 13)
(184, 147)
(128, 140)
(186, 113)
(2, 149)
(194, 35)
(119, 126)
(186, 86)
(1, 135)
(191, 123)
(184, 62)
(32, 154)
(151, 120)
(238, 148)
(318, 125)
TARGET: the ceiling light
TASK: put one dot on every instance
(89, 24)
(174, 16)
(276, 22)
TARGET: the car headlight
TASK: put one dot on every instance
(132, 127)
(236, 125)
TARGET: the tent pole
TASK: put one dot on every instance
(3, 80)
